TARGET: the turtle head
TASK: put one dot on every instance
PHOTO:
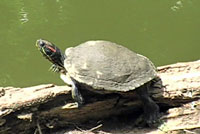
(52, 53)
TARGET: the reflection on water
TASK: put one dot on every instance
(23, 15)
(177, 6)
(6, 79)
(164, 31)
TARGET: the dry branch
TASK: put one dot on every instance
(25, 110)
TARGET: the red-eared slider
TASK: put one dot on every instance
(105, 67)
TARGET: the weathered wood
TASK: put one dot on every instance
(49, 106)
(181, 81)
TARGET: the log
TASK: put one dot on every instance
(46, 108)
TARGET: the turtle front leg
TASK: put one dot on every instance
(54, 68)
(151, 109)
(76, 95)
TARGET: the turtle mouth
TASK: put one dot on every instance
(44, 47)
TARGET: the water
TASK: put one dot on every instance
(165, 31)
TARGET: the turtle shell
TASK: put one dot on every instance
(104, 65)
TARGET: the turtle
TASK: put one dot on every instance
(106, 67)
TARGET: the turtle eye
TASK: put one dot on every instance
(41, 43)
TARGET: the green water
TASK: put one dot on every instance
(166, 31)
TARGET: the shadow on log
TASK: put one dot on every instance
(49, 108)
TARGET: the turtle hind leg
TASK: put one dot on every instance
(156, 83)
(151, 109)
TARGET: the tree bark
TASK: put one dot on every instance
(47, 107)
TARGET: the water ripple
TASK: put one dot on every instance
(177, 6)
(23, 16)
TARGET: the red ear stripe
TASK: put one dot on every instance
(52, 49)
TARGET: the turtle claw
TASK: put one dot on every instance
(79, 99)
(54, 68)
